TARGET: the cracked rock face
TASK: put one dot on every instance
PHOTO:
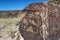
(41, 22)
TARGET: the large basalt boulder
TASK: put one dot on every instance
(41, 22)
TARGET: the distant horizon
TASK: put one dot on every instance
(9, 5)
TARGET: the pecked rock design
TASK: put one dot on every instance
(41, 22)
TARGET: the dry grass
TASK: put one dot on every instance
(8, 26)
(7, 21)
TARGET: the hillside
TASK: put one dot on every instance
(37, 21)
(7, 14)
(8, 22)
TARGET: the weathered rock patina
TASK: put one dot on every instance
(41, 22)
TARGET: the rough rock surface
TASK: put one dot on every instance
(41, 22)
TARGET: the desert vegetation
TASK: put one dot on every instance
(55, 1)
(8, 26)
(38, 21)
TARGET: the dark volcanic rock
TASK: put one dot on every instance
(41, 22)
